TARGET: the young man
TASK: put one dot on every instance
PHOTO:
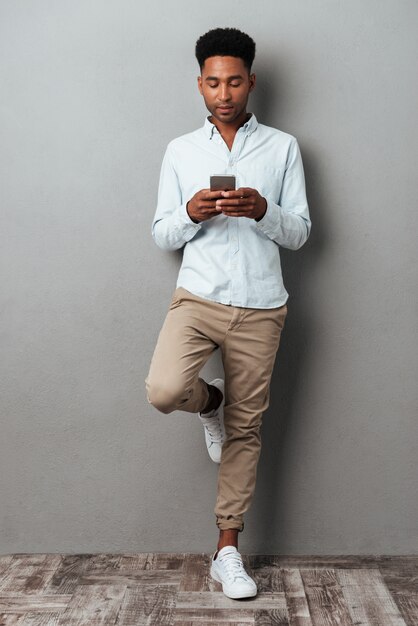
(229, 293)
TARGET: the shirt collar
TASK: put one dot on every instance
(249, 126)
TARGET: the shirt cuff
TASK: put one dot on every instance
(185, 223)
(270, 220)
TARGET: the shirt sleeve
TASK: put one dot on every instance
(172, 227)
(288, 222)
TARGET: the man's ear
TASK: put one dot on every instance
(252, 81)
(199, 84)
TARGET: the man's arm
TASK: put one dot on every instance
(288, 222)
(172, 226)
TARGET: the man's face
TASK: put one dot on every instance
(225, 86)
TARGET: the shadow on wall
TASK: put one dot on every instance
(292, 366)
(293, 358)
(264, 100)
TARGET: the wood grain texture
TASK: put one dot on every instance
(368, 599)
(177, 589)
(325, 598)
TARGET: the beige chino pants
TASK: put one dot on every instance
(249, 339)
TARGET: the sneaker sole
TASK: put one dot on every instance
(234, 596)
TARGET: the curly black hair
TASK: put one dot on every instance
(225, 42)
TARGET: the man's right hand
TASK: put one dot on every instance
(203, 205)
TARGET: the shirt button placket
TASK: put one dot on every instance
(233, 224)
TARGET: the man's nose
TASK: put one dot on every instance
(224, 93)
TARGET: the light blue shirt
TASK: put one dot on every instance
(233, 260)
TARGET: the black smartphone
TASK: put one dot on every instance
(222, 183)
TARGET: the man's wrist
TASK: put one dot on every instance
(257, 219)
(187, 211)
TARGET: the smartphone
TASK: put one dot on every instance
(222, 183)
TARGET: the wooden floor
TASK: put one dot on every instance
(166, 588)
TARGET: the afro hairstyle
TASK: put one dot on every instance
(225, 42)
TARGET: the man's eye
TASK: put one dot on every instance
(235, 84)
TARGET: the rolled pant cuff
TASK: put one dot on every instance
(228, 525)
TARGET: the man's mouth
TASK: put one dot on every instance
(225, 108)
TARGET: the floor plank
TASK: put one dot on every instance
(218, 600)
(93, 605)
(296, 599)
(326, 601)
(214, 615)
(272, 618)
(24, 603)
(368, 599)
(196, 573)
(402, 583)
(144, 606)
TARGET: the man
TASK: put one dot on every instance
(229, 293)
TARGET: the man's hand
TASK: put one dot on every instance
(245, 202)
(202, 206)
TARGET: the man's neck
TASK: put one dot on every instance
(228, 131)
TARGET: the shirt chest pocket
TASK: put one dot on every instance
(265, 178)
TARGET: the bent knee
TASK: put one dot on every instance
(165, 396)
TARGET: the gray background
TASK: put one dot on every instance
(91, 94)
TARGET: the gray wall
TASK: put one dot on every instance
(91, 94)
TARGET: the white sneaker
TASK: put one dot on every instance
(214, 425)
(228, 569)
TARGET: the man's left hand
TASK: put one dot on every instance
(245, 202)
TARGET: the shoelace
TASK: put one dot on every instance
(234, 567)
(213, 426)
